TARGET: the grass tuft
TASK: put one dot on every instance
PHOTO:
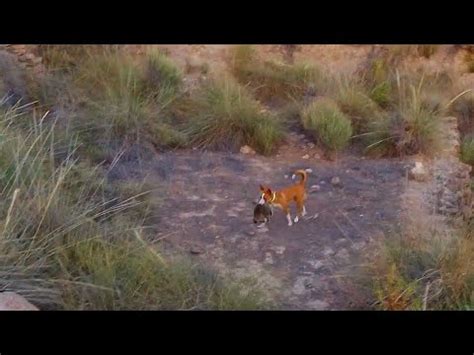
(226, 116)
(328, 124)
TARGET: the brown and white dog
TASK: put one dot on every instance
(282, 198)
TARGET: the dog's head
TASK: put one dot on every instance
(266, 195)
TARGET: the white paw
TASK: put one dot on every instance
(296, 219)
(290, 223)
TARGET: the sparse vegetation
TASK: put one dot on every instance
(114, 97)
(467, 150)
(424, 269)
(411, 127)
(463, 109)
(70, 242)
(68, 57)
(427, 50)
(74, 238)
(226, 116)
(469, 60)
(359, 107)
(272, 80)
(328, 124)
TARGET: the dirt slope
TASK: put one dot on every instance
(206, 204)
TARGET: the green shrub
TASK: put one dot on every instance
(359, 107)
(410, 127)
(467, 150)
(424, 270)
(273, 80)
(226, 117)
(328, 124)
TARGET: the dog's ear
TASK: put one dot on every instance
(269, 191)
(262, 188)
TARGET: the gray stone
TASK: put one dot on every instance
(279, 249)
(10, 301)
(418, 173)
(343, 254)
(317, 305)
(247, 150)
(268, 258)
(196, 249)
(316, 264)
(328, 251)
(336, 181)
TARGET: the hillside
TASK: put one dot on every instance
(137, 169)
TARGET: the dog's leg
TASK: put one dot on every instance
(304, 211)
(288, 216)
(300, 210)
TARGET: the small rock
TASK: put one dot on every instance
(336, 181)
(322, 182)
(300, 287)
(418, 173)
(311, 145)
(317, 305)
(268, 258)
(306, 156)
(218, 236)
(358, 245)
(328, 251)
(286, 176)
(317, 156)
(246, 150)
(196, 250)
(316, 264)
(251, 233)
(343, 254)
(10, 301)
(315, 187)
(279, 250)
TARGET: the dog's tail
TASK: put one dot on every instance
(304, 175)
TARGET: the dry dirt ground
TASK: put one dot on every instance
(205, 209)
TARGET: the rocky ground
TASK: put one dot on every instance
(206, 205)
